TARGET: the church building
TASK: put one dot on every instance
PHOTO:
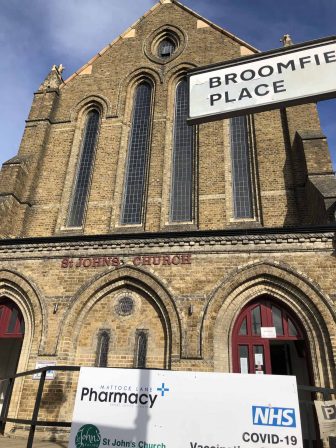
(129, 238)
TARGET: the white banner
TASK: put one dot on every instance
(172, 409)
(264, 81)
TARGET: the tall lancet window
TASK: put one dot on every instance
(135, 178)
(84, 170)
(141, 340)
(181, 202)
(102, 348)
(241, 168)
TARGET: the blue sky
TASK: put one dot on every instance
(35, 34)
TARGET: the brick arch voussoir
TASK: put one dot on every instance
(128, 83)
(304, 296)
(28, 298)
(178, 70)
(102, 284)
(100, 101)
(22, 291)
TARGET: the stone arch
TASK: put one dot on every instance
(98, 101)
(129, 83)
(103, 284)
(302, 295)
(173, 76)
(174, 73)
(78, 117)
(176, 34)
(26, 296)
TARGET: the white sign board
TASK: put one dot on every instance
(50, 375)
(264, 81)
(258, 359)
(268, 332)
(172, 409)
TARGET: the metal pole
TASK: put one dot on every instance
(5, 406)
(36, 409)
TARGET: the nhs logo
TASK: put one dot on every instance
(267, 416)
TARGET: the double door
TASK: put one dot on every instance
(267, 339)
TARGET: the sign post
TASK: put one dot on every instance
(171, 409)
(287, 76)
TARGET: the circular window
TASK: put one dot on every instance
(165, 44)
(125, 306)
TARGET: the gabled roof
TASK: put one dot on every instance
(130, 29)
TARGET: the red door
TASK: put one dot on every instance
(11, 338)
(254, 353)
(11, 320)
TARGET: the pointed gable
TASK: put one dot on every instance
(152, 16)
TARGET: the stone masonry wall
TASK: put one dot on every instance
(52, 138)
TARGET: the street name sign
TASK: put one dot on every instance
(287, 76)
(136, 408)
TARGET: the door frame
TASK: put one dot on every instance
(246, 332)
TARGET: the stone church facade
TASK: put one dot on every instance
(130, 239)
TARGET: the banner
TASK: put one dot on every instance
(171, 409)
(326, 414)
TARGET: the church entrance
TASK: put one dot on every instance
(268, 339)
(11, 338)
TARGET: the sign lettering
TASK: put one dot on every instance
(290, 75)
(142, 260)
(136, 408)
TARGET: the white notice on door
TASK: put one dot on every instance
(258, 359)
(243, 365)
(268, 332)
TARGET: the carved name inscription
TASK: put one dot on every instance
(143, 260)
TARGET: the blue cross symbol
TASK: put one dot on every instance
(162, 389)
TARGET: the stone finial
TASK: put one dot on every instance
(58, 68)
(286, 40)
(54, 78)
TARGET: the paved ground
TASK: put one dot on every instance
(6, 442)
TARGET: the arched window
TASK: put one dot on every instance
(166, 48)
(84, 171)
(241, 170)
(141, 340)
(103, 348)
(138, 148)
(181, 202)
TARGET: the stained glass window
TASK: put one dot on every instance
(241, 173)
(166, 48)
(183, 158)
(141, 349)
(84, 170)
(103, 348)
(137, 156)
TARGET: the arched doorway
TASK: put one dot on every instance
(268, 339)
(11, 338)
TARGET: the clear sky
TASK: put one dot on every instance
(35, 34)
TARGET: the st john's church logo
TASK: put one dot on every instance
(88, 436)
